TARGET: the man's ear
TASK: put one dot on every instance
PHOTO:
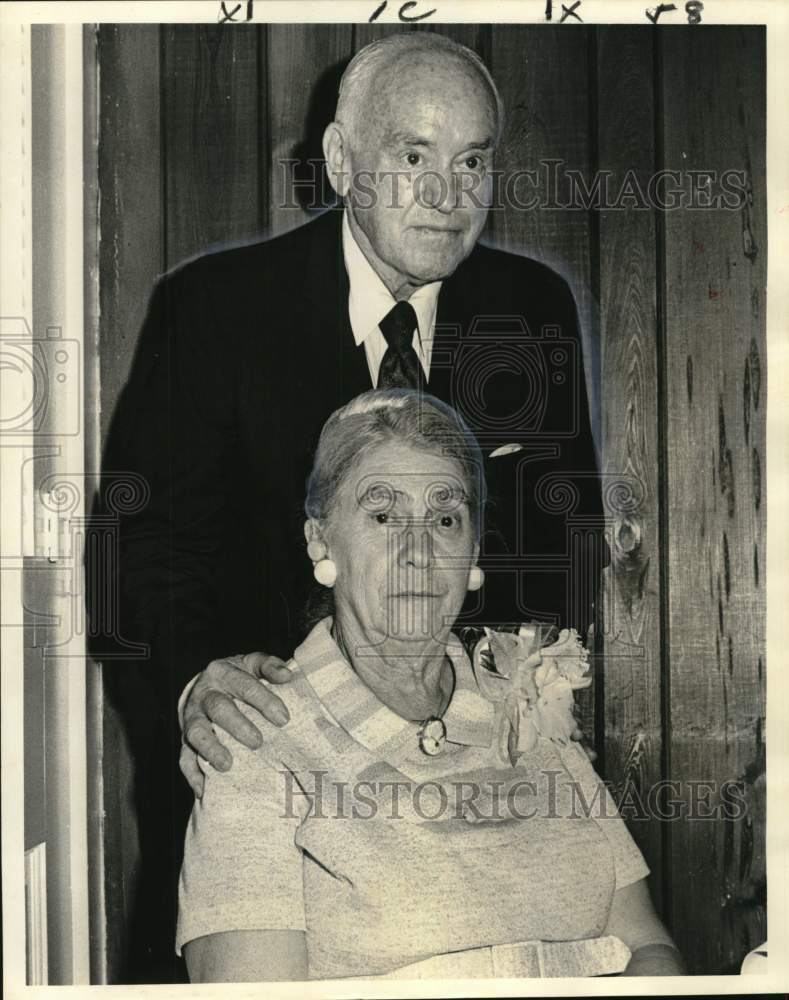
(335, 149)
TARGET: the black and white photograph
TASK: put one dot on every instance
(392, 405)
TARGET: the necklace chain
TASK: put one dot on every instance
(443, 704)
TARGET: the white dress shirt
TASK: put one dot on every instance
(370, 300)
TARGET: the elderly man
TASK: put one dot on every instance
(245, 353)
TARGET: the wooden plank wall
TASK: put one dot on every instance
(195, 123)
(131, 255)
(714, 364)
(632, 739)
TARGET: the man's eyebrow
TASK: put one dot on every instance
(393, 139)
(485, 143)
(407, 139)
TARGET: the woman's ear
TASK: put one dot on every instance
(316, 547)
(335, 149)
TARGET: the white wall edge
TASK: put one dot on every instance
(16, 232)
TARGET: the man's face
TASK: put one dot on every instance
(420, 167)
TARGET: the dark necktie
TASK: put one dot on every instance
(400, 368)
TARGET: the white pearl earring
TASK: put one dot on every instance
(325, 572)
(316, 550)
(476, 578)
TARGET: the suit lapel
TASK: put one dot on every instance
(341, 363)
(452, 316)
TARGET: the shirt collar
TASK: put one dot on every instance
(468, 718)
(370, 300)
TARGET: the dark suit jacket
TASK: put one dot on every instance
(245, 353)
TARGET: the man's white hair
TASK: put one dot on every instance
(364, 66)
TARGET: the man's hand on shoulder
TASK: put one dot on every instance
(210, 700)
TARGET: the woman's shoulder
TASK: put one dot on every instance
(295, 693)
(280, 744)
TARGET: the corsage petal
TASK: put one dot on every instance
(532, 681)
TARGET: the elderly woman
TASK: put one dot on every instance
(421, 815)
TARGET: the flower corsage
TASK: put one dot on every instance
(531, 680)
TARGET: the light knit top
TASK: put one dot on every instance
(341, 827)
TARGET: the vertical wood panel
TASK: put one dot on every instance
(304, 66)
(543, 75)
(131, 255)
(212, 138)
(130, 182)
(715, 434)
(631, 585)
(94, 695)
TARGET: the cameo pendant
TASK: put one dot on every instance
(432, 735)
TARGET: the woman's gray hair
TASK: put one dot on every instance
(361, 71)
(381, 416)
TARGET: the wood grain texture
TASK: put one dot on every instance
(543, 76)
(131, 255)
(212, 139)
(303, 74)
(131, 248)
(715, 264)
(628, 351)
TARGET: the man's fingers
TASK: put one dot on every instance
(222, 710)
(246, 688)
(212, 701)
(235, 680)
(262, 698)
(268, 668)
(199, 735)
(190, 769)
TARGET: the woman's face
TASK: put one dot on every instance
(401, 535)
